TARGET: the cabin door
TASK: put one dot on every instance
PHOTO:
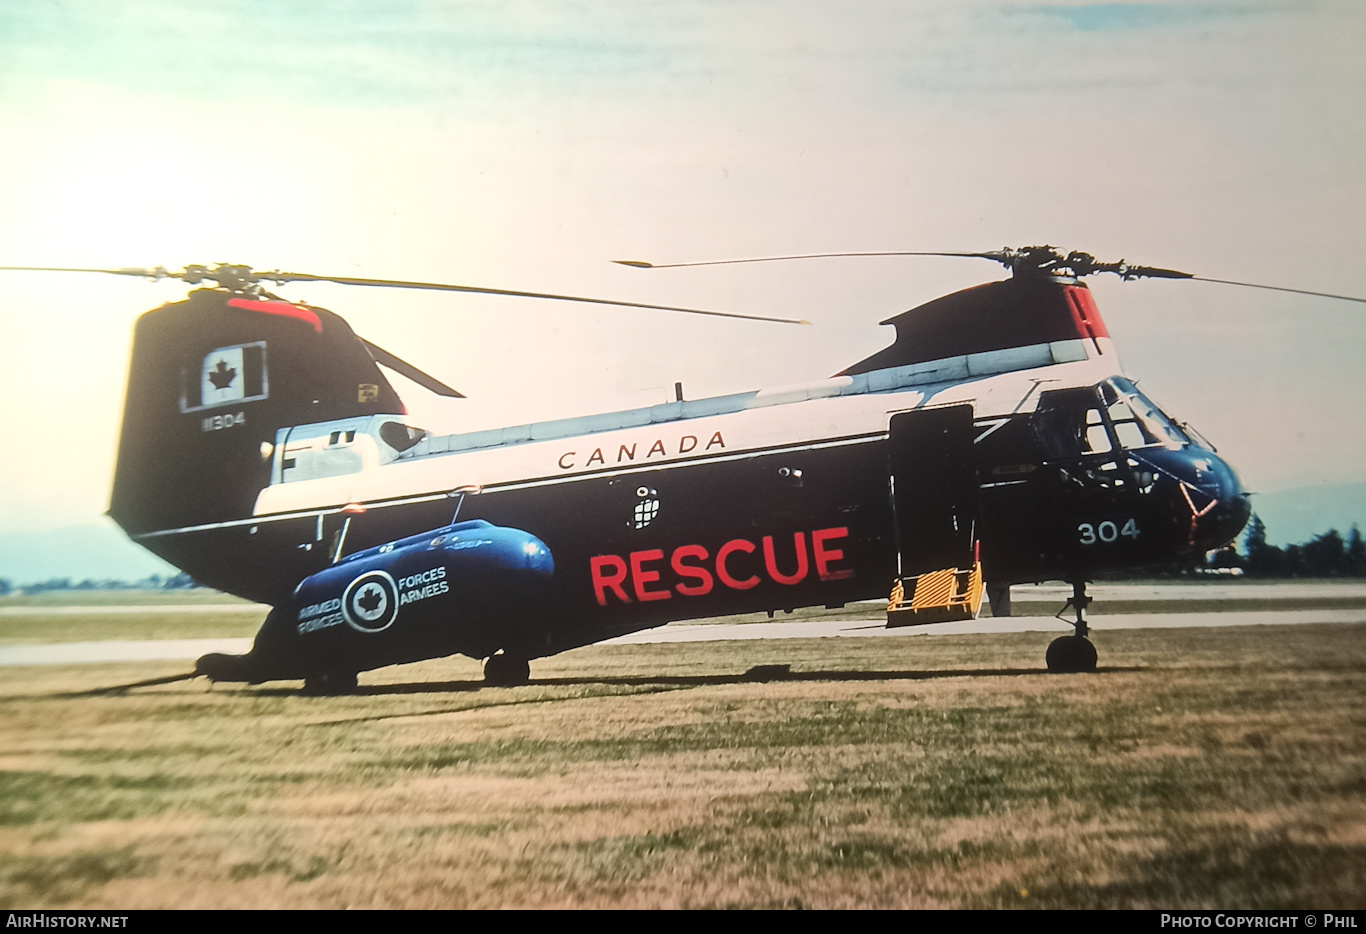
(934, 489)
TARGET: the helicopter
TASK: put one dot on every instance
(996, 441)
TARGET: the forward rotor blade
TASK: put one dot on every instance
(1280, 288)
(641, 264)
(511, 293)
(404, 368)
(1082, 263)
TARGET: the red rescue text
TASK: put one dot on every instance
(739, 564)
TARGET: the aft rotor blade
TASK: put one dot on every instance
(158, 273)
(510, 293)
(232, 276)
(641, 264)
(404, 368)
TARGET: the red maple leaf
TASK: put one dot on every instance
(222, 375)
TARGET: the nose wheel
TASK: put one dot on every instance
(1074, 653)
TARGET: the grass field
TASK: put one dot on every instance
(1199, 768)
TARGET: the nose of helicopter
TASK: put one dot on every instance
(1219, 506)
(1230, 511)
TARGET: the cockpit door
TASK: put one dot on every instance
(934, 488)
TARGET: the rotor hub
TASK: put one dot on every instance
(1041, 261)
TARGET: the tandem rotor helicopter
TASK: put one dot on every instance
(996, 441)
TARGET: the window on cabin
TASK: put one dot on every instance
(399, 436)
(1071, 431)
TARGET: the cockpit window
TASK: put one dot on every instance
(1068, 432)
(1102, 419)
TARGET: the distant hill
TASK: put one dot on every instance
(1295, 516)
(98, 552)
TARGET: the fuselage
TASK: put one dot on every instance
(768, 500)
(264, 452)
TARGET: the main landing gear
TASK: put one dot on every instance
(505, 671)
(1074, 653)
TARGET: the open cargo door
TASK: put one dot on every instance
(934, 500)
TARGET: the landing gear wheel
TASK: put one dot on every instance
(504, 671)
(330, 683)
(1071, 654)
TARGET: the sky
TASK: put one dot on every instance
(524, 145)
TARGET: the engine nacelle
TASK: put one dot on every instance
(458, 589)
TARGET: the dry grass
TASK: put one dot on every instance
(1200, 768)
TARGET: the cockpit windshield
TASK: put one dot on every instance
(1136, 421)
(1111, 416)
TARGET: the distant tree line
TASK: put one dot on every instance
(1326, 555)
(180, 581)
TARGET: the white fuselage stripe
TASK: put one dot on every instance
(799, 425)
(367, 505)
(690, 462)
